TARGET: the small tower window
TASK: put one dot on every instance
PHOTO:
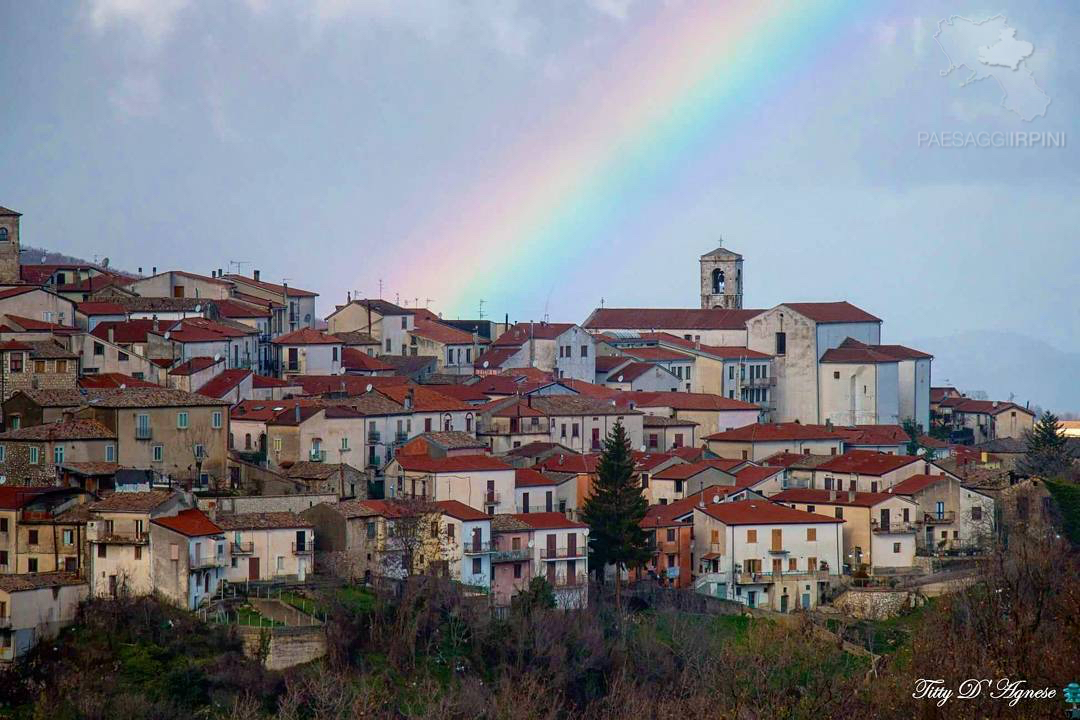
(718, 282)
(3, 234)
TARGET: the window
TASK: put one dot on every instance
(811, 534)
(404, 322)
(836, 375)
(477, 566)
(138, 552)
(39, 367)
(334, 353)
(159, 453)
(280, 563)
(811, 508)
(671, 535)
(121, 356)
(3, 558)
(182, 420)
(584, 351)
(873, 486)
(574, 430)
(792, 564)
(200, 451)
(434, 529)
(15, 362)
(215, 420)
(3, 234)
(3, 525)
(61, 366)
(976, 511)
(68, 537)
(371, 529)
(751, 536)
(781, 343)
(3, 453)
(839, 512)
(58, 455)
(31, 565)
(907, 517)
(99, 349)
(34, 455)
(517, 571)
(896, 547)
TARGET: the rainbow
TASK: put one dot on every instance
(694, 71)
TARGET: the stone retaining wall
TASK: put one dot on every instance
(876, 603)
(289, 646)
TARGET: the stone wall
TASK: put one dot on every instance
(876, 603)
(265, 503)
(289, 646)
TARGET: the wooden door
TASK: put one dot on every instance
(571, 545)
(253, 568)
(884, 518)
(551, 549)
(777, 567)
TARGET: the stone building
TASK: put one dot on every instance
(36, 365)
(9, 247)
(32, 455)
(721, 280)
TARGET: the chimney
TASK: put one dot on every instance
(156, 325)
(828, 424)
(348, 297)
(220, 272)
(832, 495)
(68, 415)
(255, 275)
(140, 271)
(851, 496)
(297, 413)
(112, 334)
(562, 459)
(153, 270)
(409, 399)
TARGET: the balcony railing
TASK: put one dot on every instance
(760, 578)
(778, 550)
(119, 537)
(206, 561)
(571, 581)
(492, 498)
(5, 622)
(303, 548)
(538, 508)
(374, 437)
(144, 432)
(477, 548)
(401, 437)
(243, 548)
(761, 382)
(512, 555)
(30, 516)
(562, 553)
(939, 518)
(897, 527)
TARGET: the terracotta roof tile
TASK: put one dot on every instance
(63, 430)
(132, 501)
(867, 462)
(261, 521)
(461, 511)
(192, 523)
(452, 464)
(548, 521)
(832, 312)
(668, 318)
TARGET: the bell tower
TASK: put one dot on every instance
(9, 247)
(721, 279)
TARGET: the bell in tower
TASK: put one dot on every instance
(9, 247)
(721, 279)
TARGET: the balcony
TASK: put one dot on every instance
(939, 518)
(477, 548)
(492, 498)
(562, 553)
(5, 622)
(108, 536)
(243, 548)
(401, 437)
(206, 561)
(374, 437)
(893, 528)
(765, 578)
(35, 516)
(303, 548)
(144, 432)
(778, 551)
(761, 382)
(512, 555)
(576, 580)
(537, 508)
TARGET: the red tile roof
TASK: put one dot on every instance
(684, 401)
(915, 484)
(727, 352)
(77, 429)
(14, 345)
(775, 432)
(464, 393)
(224, 382)
(853, 351)
(495, 357)
(548, 521)
(92, 308)
(527, 477)
(762, 512)
(31, 325)
(127, 331)
(691, 454)
(263, 382)
(451, 464)
(984, 407)
(111, 381)
(656, 353)
(270, 287)
(348, 384)
(668, 318)
(902, 352)
(751, 475)
(238, 309)
(937, 394)
(633, 370)
(832, 312)
(16, 291)
(520, 333)
(306, 336)
(424, 399)
(874, 435)
(192, 523)
(13, 497)
(818, 496)
(867, 462)
(356, 359)
(684, 471)
(566, 463)
(461, 511)
(194, 365)
(445, 334)
(588, 389)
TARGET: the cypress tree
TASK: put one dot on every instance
(1047, 455)
(614, 510)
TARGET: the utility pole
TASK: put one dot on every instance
(380, 288)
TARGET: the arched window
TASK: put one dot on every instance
(448, 423)
(3, 234)
(247, 441)
(468, 422)
(717, 281)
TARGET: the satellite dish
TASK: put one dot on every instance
(620, 378)
(198, 308)
(167, 334)
(485, 363)
(123, 386)
(341, 371)
(368, 387)
(716, 499)
(217, 357)
(530, 543)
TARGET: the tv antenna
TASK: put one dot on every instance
(239, 265)
(481, 308)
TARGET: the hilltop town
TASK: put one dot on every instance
(210, 441)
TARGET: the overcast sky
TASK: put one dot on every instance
(316, 139)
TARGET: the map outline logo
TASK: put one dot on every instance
(989, 49)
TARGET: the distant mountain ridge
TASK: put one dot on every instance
(1004, 363)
